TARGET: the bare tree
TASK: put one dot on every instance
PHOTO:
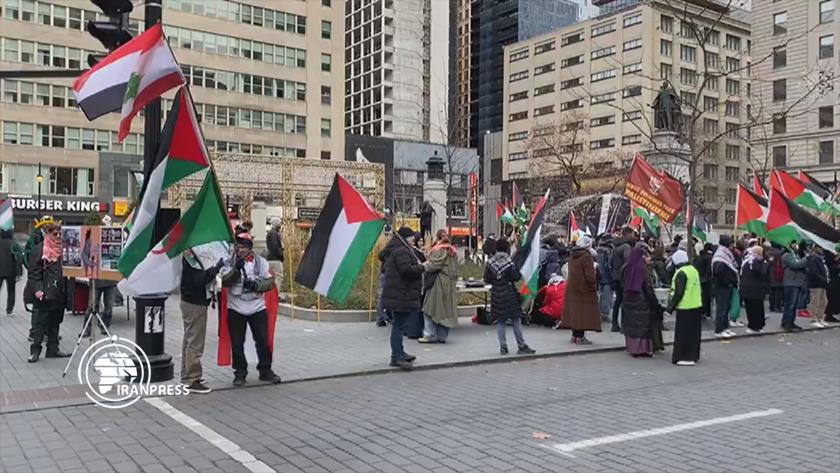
(562, 146)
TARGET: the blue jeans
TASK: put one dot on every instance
(794, 299)
(517, 332)
(398, 321)
(605, 300)
(107, 296)
(433, 330)
(723, 298)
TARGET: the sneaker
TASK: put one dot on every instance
(735, 323)
(239, 379)
(583, 341)
(525, 350)
(402, 364)
(409, 358)
(426, 340)
(724, 334)
(685, 363)
(818, 324)
(503, 350)
(269, 376)
(730, 332)
(753, 332)
(792, 328)
(199, 388)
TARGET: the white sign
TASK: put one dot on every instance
(153, 322)
(81, 206)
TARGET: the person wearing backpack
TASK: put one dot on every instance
(817, 284)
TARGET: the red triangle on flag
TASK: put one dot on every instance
(778, 213)
(356, 208)
(747, 208)
(788, 185)
(188, 144)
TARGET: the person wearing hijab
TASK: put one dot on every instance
(501, 274)
(724, 283)
(440, 305)
(581, 311)
(554, 297)
(754, 287)
(46, 291)
(687, 301)
(639, 306)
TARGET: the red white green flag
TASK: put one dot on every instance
(758, 187)
(788, 222)
(800, 193)
(527, 259)
(750, 211)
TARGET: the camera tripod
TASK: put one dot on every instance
(93, 311)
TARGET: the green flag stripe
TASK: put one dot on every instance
(354, 259)
(203, 222)
(178, 169)
(136, 252)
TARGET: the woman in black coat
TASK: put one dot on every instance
(501, 274)
(401, 291)
(754, 287)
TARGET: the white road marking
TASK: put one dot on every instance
(231, 449)
(566, 448)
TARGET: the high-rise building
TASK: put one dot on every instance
(606, 7)
(797, 79)
(482, 29)
(397, 69)
(266, 77)
(599, 78)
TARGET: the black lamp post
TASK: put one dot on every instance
(39, 179)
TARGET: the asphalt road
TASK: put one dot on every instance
(753, 405)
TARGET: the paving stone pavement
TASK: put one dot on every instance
(303, 350)
(478, 418)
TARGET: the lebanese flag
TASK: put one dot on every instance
(788, 222)
(758, 187)
(130, 77)
(527, 259)
(798, 191)
(224, 356)
(341, 241)
(750, 211)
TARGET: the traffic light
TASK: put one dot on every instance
(114, 32)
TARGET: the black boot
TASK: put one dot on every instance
(239, 379)
(56, 353)
(269, 376)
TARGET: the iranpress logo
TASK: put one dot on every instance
(117, 373)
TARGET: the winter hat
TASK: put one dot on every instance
(680, 257)
(725, 240)
(405, 232)
(245, 239)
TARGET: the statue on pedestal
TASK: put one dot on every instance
(667, 111)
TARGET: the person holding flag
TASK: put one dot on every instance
(502, 275)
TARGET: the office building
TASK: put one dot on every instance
(397, 69)
(602, 75)
(797, 94)
(266, 77)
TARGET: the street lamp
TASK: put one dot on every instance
(39, 178)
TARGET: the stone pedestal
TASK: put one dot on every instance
(434, 192)
(258, 216)
(667, 153)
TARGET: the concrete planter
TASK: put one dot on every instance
(288, 310)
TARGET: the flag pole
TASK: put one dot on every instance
(318, 313)
(291, 289)
(370, 288)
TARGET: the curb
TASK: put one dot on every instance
(434, 366)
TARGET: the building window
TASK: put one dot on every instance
(632, 91)
(544, 69)
(779, 57)
(779, 156)
(568, 84)
(602, 30)
(518, 156)
(710, 126)
(603, 52)
(602, 75)
(733, 152)
(732, 64)
(729, 215)
(732, 173)
(712, 60)
(733, 109)
(733, 87)
(326, 127)
(603, 98)
(688, 54)
(326, 29)
(826, 47)
(326, 62)
(632, 44)
(826, 117)
(710, 171)
(632, 115)
(666, 71)
(779, 124)
(780, 23)
(826, 152)
(713, 37)
(572, 61)
(632, 20)
(547, 110)
(326, 3)
(518, 136)
(326, 95)
(517, 76)
(666, 24)
(826, 11)
(601, 121)
(689, 98)
(518, 116)
(710, 104)
(779, 90)
(572, 104)
(710, 194)
(631, 139)
(602, 144)
(518, 96)
(575, 38)
(544, 47)
(326, 155)
(733, 43)
(518, 55)
(457, 209)
(688, 76)
(632, 68)
(542, 90)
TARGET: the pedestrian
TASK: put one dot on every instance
(754, 287)
(621, 250)
(10, 268)
(703, 264)
(670, 266)
(440, 304)
(196, 290)
(604, 272)
(247, 277)
(401, 291)
(275, 251)
(832, 307)
(657, 262)
(817, 284)
(686, 300)
(46, 291)
(773, 256)
(581, 312)
(795, 284)
(505, 304)
(639, 307)
(725, 283)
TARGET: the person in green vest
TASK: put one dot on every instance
(687, 300)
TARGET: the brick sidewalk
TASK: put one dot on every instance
(303, 350)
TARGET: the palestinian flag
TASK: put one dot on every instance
(758, 187)
(507, 217)
(813, 183)
(127, 79)
(643, 216)
(343, 236)
(750, 211)
(574, 230)
(788, 222)
(181, 153)
(700, 226)
(7, 215)
(800, 193)
(527, 259)
(159, 270)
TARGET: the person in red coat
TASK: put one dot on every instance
(554, 296)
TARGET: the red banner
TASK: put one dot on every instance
(653, 190)
(473, 198)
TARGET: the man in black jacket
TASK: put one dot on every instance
(401, 291)
(618, 259)
(195, 279)
(9, 268)
(725, 281)
(46, 291)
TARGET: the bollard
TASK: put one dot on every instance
(149, 330)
